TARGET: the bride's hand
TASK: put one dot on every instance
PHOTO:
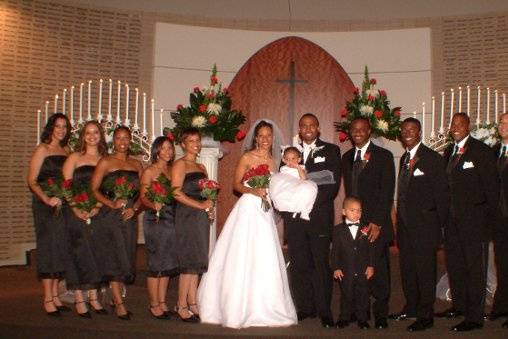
(260, 192)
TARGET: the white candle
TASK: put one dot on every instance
(160, 119)
(56, 104)
(468, 98)
(441, 124)
(460, 99)
(414, 114)
(423, 121)
(136, 108)
(127, 122)
(153, 118)
(110, 99)
(478, 107)
(144, 114)
(64, 94)
(89, 108)
(452, 99)
(488, 106)
(99, 113)
(81, 103)
(496, 107)
(433, 118)
(72, 105)
(38, 126)
(118, 102)
(46, 109)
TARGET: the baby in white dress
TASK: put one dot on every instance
(289, 189)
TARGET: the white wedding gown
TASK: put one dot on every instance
(246, 283)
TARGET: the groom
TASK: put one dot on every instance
(309, 241)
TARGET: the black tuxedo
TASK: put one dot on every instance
(352, 256)
(500, 236)
(309, 241)
(474, 196)
(422, 212)
(375, 188)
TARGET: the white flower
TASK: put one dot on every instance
(296, 140)
(108, 137)
(214, 108)
(198, 121)
(382, 125)
(366, 109)
(372, 92)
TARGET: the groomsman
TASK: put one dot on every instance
(422, 211)
(474, 198)
(500, 307)
(369, 174)
(309, 240)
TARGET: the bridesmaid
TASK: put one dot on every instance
(81, 271)
(46, 162)
(191, 223)
(159, 234)
(116, 227)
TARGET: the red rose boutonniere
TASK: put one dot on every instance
(461, 150)
(365, 231)
(366, 156)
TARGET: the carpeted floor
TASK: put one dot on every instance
(22, 316)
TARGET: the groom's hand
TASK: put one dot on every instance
(373, 231)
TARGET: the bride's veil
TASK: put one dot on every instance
(277, 140)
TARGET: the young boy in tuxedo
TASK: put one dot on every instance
(352, 263)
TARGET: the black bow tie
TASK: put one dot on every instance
(353, 224)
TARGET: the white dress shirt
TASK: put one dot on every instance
(352, 229)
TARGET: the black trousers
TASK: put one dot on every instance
(501, 258)
(418, 273)
(310, 275)
(380, 282)
(354, 297)
(466, 262)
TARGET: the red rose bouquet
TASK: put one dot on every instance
(58, 188)
(160, 191)
(209, 189)
(259, 177)
(82, 198)
(121, 187)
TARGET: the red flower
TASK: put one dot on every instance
(356, 91)
(378, 114)
(212, 119)
(373, 81)
(210, 95)
(225, 90)
(158, 189)
(366, 156)
(170, 136)
(201, 183)
(202, 108)
(179, 107)
(343, 136)
(51, 181)
(82, 197)
(210, 184)
(365, 230)
(240, 135)
(371, 98)
(66, 184)
(196, 90)
(461, 150)
(382, 92)
(396, 113)
(343, 112)
(120, 181)
(213, 79)
(131, 186)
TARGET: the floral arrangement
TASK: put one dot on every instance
(259, 177)
(121, 187)
(160, 191)
(56, 187)
(373, 104)
(134, 148)
(80, 197)
(209, 189)
(486, 133)
(210, 112)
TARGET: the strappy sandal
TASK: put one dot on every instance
(160, 316)
(126, 316)
(86, 315)
(96, 310)
(191, 319)
(196, 314)
(55, 313)
(61, 308)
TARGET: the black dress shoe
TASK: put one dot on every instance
(496, 315)
(342, 323)
(466, 326)
(302, 315)
(363, 325)
(421, 325)
(381, 323)
(101, 311)
(399, 316)
(327, 322)
(449, 313)
(505, 324)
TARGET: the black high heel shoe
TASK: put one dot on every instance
(61, 308)
(55, 313)
(126, 316)
(85, 315)
(168, 312)
(101, 311)
(195, 313)
(160, 316)
(192, 319)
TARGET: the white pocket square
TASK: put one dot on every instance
(468, 164)
(319, 159)
(418, 173)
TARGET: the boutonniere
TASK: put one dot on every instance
(364, 231)
(461, 150)
(366, 157)
(316, 149)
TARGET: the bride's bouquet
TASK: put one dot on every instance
(160, 191)
(259, 177)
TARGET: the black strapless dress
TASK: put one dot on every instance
(49, 227)
(192, 229)
(115, 252)
(160, 242)
(81, 271)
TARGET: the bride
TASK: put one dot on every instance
(246, 283)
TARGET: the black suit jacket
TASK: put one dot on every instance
(474, 190)
(427, 201)
(351, 255)
(376, 184)
(503, 195)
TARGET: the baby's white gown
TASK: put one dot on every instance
(246, 283)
